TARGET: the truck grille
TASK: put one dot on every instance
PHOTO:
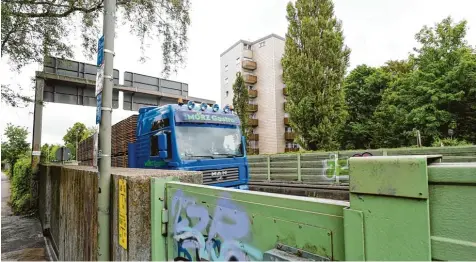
(220, 175)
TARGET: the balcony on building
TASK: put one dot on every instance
(247, 53)
(253, 93)
(286, 121)
(253, 137)
(289, 135)
(248, 64)
(253, 122)
(250, 78)
(285, 91)
(252, 107)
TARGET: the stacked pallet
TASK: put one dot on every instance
(122, 133)
(86, 151)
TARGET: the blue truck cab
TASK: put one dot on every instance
(192, 137)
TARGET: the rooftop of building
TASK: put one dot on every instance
(253, 42)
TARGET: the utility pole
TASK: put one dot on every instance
(104, 153)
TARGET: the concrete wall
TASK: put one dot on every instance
(68, 210)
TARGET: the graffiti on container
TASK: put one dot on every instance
(221, 236)
(333, 166)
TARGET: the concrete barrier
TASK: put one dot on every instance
(67, 210)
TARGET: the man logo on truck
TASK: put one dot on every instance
(219, 174)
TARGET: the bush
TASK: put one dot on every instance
(450, 142)
(20, 185)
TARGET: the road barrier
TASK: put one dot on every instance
(320, 167)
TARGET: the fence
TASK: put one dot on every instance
(320, 167)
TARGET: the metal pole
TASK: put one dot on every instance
(36, 143)
(105, 134)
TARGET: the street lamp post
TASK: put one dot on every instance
(104, 152)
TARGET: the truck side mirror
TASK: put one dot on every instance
(162, 145)
(162, 140)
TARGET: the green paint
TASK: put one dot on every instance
(354, 235)
(299, 167)
(388, 218)
(310, 224)
(452, 200)
(157, 196)
(404, 176)
(392, 194)
(268, 161)
(155, 163)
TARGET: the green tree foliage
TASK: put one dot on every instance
(240, 102)
(20, 185)
(48, 152)
(75, 134)
(314, 64)
(437, 95)
(15, 144)
(32, 29)
(434, 90)
(364, 87)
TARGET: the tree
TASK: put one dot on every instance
(34, 29)
(15, 145)
(48, 152)
(364, 87)
(75, 134)
(438, 94)
(240, 102)
(314, 64)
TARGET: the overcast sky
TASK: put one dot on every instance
(375, 30)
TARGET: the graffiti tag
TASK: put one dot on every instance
(223, 236)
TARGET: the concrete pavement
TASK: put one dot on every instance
(22, 239)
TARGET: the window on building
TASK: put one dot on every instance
(226, 68)
(237, 60)
(262, 43)
(226, 94)
(226, 80)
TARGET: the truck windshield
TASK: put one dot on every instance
(195, 142)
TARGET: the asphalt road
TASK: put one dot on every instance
(22, 239)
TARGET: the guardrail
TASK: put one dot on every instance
(320, 167)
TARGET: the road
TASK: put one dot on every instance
(22, 239)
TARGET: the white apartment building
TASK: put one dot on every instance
(260, 64)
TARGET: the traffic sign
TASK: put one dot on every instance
(98, 109)
(99, 79)
(100, 51)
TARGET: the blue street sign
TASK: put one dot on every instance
(101, 50)
(98, 108)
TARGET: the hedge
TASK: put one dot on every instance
(20, 186)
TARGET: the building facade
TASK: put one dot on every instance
(260, 64)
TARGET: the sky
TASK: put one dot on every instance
(375, 30)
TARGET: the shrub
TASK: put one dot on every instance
(450, 142)
(20, 185)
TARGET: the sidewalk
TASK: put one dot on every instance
(22, 239)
